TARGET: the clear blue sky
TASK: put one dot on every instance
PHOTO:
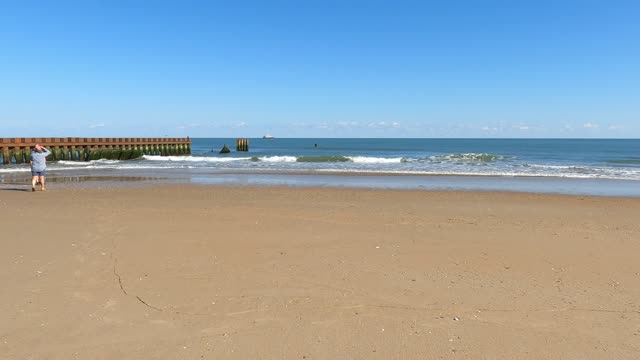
(320, 68)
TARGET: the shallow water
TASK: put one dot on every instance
(567, 166)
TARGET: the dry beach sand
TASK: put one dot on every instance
(214, 272)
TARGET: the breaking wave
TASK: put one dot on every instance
(469, 158)
(193, 158)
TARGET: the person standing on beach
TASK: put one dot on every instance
(38, 166)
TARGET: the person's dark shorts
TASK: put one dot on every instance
(38, 173)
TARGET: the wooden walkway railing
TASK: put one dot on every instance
(18, 150)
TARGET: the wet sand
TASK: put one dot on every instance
(216, 272)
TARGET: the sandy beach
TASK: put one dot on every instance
(217, 272)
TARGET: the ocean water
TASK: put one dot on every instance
(596, 166)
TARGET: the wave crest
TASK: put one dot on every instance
(277, 158)
(323, 159)
(375, 160)
(193, 158)
(85, 163)
(469, 158)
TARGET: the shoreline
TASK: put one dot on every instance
(14, 169)
(175, 271)
(484, 183)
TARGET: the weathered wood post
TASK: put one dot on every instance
(117, 152)
(242, 144)
(136, 152)
(55, 152)
(123, 152)
(106, 151)
(23, 159)
(17, 153)
(102, 151)
(93, 149)
(128, 151)
(6, 158)
(92, 153)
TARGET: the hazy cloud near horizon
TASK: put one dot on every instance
(353, 129)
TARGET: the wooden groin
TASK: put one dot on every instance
(18, 150)
(242, 144)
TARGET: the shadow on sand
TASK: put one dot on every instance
(28, 189)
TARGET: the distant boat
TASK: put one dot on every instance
(267, 137)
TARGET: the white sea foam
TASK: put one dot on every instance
(452, 164)
(278, 158)
(622, 175)
(84, 163)
(193, 158)
(49, 169)
(562, 167)
(374, 160)
(13, 170)
(468, 157)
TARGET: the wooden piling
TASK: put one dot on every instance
(242, 144)
(18, 150)
(6, 159)
(17, 153)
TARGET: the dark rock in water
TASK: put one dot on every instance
(225, 150)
